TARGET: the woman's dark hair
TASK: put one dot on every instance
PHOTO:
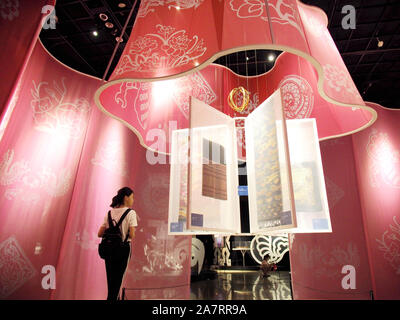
(119, 198)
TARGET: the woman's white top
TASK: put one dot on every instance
(129, 221)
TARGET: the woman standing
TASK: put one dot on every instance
(117, 263)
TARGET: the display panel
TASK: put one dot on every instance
(285, 176)
(286, 186)
(270, 192)
(178, 188)
(312, 210)
(204, 175)
(213, 171)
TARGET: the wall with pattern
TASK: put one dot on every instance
(377, 154)
(39, 158)
(61, 162)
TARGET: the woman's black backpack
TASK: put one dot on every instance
(112, 243)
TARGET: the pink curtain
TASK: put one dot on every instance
(20, 25)
(160, 265)
(169, 40)
(61, 162)
(377, 155)
(362, 175)
(148, 106)
(39, 157)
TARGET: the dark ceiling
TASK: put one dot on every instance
(375, 70)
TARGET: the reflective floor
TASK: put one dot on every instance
(243, 285)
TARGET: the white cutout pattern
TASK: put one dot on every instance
(274, 246)
(15, 268)
(286, 11)
(142, 101)
(198, 253)
(111, 157)
(161, 260)
(148, 6)
(164, 50)
(339, 80)
(389, 244)
(334, 192)
(222, 255)
(194, 85)
(385, 160)
(12, 172)
(328, 263)
(249, 9)
(297, 96)
(52, 114)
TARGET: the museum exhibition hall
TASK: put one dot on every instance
(248, 130)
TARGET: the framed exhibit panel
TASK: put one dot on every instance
(311, 202)
(204, 174)
(286, 187)
(270, 192)
(284, 170)
(213, 171)
(178, 187)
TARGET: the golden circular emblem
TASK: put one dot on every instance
(233, 95)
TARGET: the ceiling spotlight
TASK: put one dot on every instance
(271, 57)
(95, 33)
(119, 39)
(247, 58)
(109, 25)
(121, 5)
(380, 43)
(103, 16)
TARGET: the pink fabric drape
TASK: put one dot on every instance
(61, 162)
(20, 25)
(160, 265)
(145, 107)
(317, 259)
(169, 40)
(377, 155)
(39, 153)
